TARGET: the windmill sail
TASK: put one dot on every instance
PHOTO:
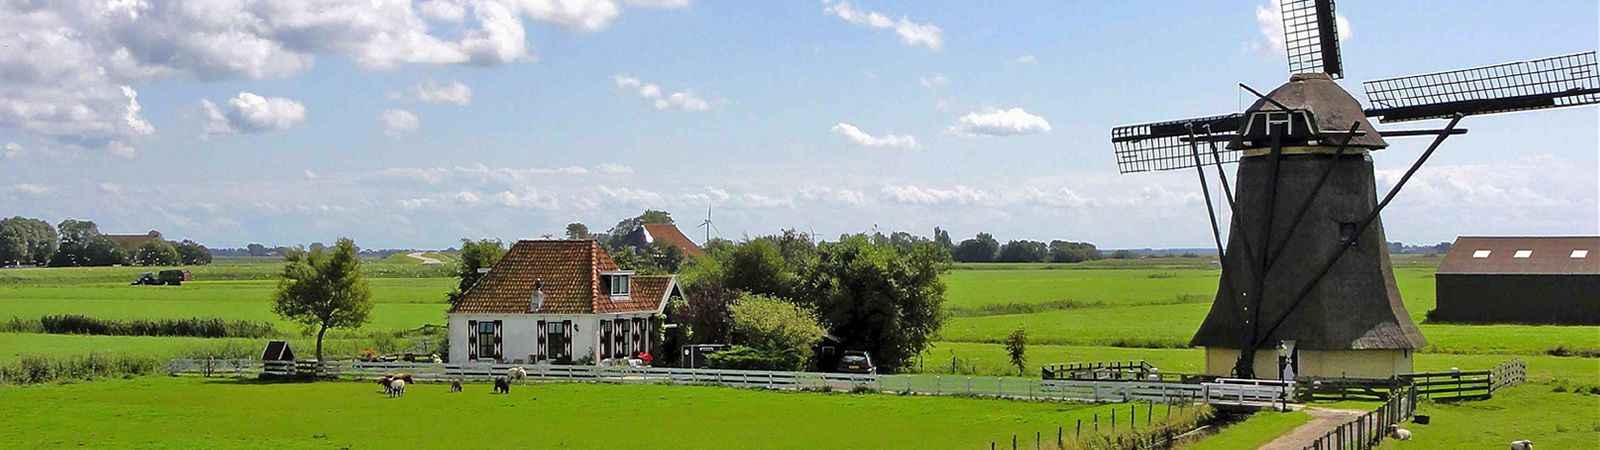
(1165, 145)
(1311, 37)
(1569, 80)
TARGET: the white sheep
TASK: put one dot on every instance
(516, 373)
(397, 387)
(1399, 434)
(1522, 445)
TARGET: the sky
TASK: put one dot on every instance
(407, 124)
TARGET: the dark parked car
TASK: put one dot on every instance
(856, 361)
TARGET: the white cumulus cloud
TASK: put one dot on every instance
(30, 189)
(686, 101)
(399, 122)
(935, 81)
(1026, 59)
(1002, 122)
(454, 92)
(917, 195)
(911, 33)
(861, 138)
(251, 113)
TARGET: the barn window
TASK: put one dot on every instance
(486, 332)
(1580, 254)
(1480, 254)
(1522, 254)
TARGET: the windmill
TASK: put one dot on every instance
(1306, 269)
(709, 226)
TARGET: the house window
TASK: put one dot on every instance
(486, 349)
(1579, 254)
(556, 340)
(1522, 254)
(1480, 254)
(615, 284)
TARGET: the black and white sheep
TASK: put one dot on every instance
(502, 385)
(1523, 444)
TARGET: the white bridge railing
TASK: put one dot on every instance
(1234, 392)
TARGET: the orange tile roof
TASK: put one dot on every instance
(669, 234)
(568, 272)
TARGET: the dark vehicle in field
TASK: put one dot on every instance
(163, 278)
(856, 361)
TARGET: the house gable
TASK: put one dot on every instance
(568, 274)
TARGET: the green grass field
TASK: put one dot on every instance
(213, 413)
(1097, 311)
(1254, 431)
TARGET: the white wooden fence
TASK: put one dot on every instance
(1232, 392)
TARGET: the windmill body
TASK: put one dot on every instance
(1352, 323)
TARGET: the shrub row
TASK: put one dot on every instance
(191, 327)
(41, 369)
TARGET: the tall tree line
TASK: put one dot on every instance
(27, 241)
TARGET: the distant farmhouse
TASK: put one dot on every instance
(665, 234)
(1541, 280)
(131, 242)
(558, 301)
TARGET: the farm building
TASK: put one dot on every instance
(1543, 280)
(665, 234)
(131, 242)
(561, 302)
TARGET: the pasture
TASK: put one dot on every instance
(190, 412)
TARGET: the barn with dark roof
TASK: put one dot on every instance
(1535, 280)
(558, 301)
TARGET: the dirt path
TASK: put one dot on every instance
(1322, 421)
(425, 260)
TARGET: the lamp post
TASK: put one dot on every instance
(1283, 364)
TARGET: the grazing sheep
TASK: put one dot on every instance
(1522, 445)
(455, 385)
(516, 373)
(404, 376)
(1399, 434)
(502, 385)
(397, 388)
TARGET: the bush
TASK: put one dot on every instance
(41, 369)
(192, 327)
(740, 357)
(776, 327)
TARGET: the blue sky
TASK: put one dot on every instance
(294, 147)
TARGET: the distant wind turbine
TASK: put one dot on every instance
(709, 226)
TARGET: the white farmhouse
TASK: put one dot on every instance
(558, 302)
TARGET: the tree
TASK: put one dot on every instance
(777, 328)
(157, 252)
(706, 311)
(323, 289)
(1017, 347)
(757, 266)
(474, 256)
(877, 298)
(193, 254)
(83, 245)
(27, 241)
(1023, 251)
(1123, 254)
(941, 237)
(577, 230)
(979, 249)
(1071, 252)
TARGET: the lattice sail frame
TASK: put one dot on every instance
(1568, 80)
(1311, 37)
(1165, 145)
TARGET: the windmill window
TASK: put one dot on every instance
(1522, 254)
(1579, 254)
(1480, 254)
(1347, 232)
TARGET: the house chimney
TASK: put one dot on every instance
(538, 296)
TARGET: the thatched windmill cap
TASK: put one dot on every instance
(1332, 107)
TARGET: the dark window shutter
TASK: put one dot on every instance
(649, 332)
(498, 353)
(540, 348)
(472, 340)
(566, 326)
